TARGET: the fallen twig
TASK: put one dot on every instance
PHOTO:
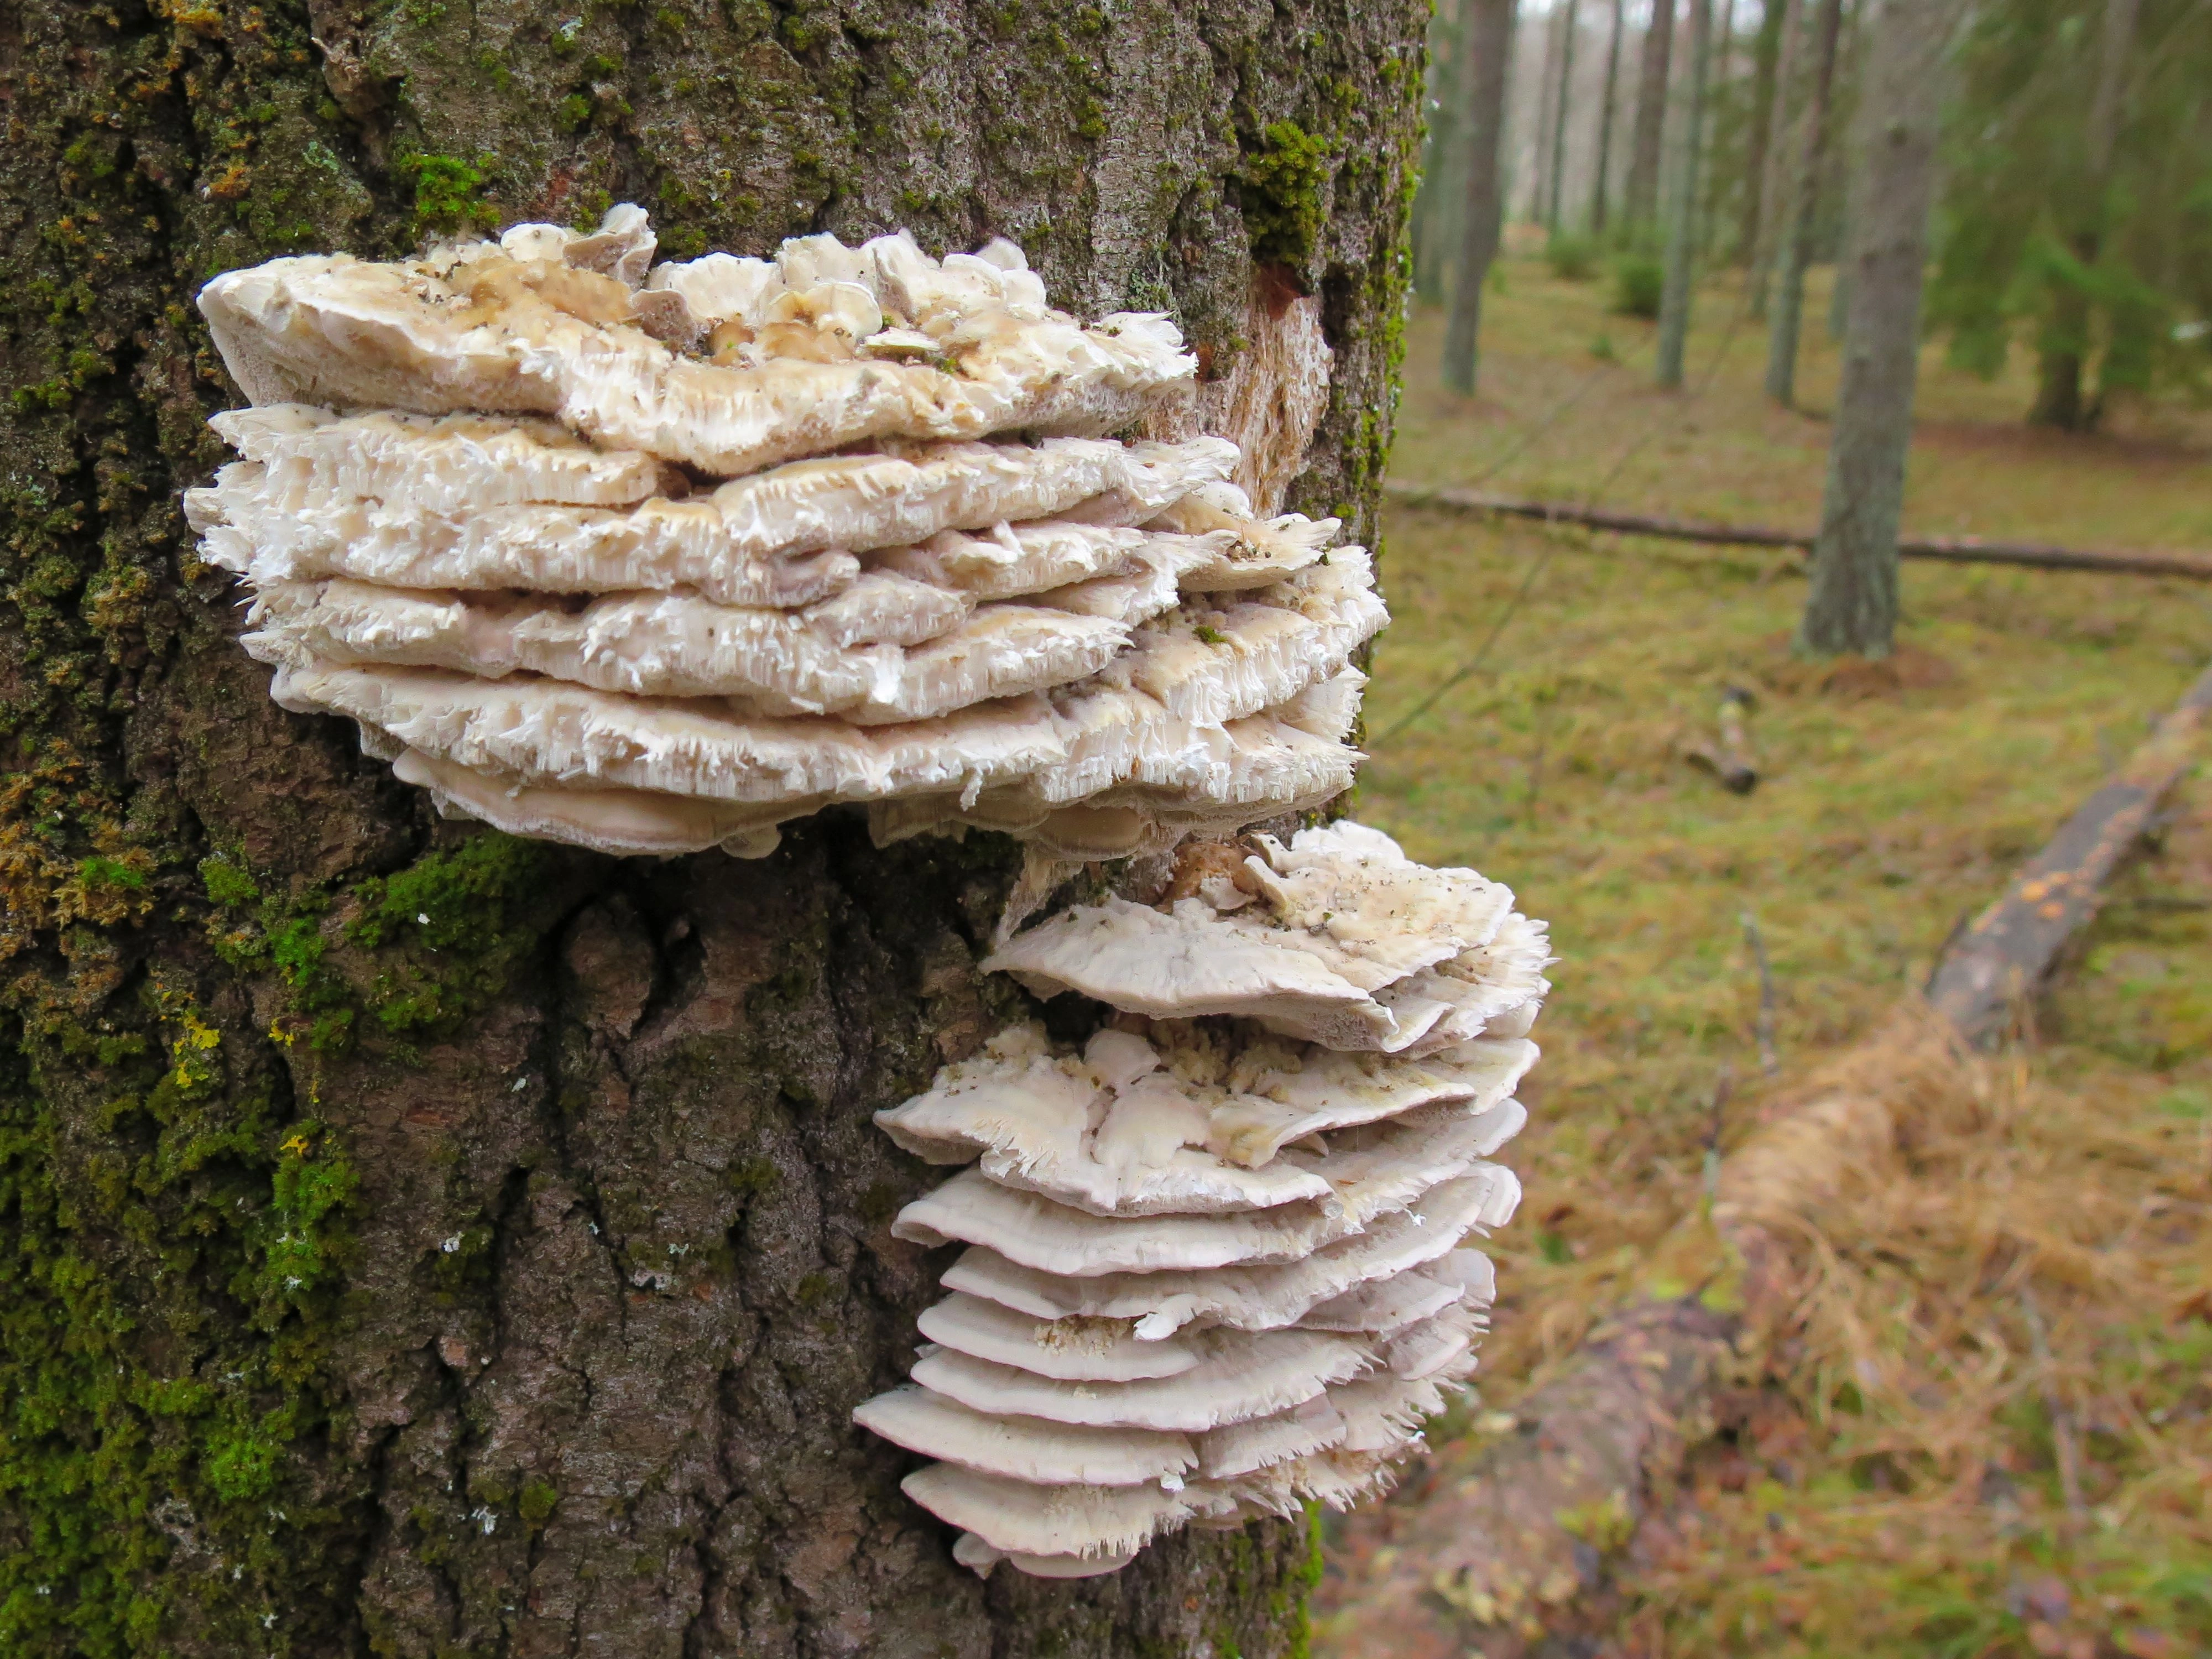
(1954, 550)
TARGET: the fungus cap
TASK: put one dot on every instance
(1251, 1298)
(1072, 1350)
(1024, 1448)
(1255, 1376)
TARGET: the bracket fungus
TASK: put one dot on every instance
(654, 558)
(1239, 1216)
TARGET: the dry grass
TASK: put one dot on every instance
(1879, 823)
(1985, 1430)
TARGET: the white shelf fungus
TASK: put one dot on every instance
(1233, 1230)
(651, 558)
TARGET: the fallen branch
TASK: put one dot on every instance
(1954, 549)
(1498, 1551)
(2002, 959)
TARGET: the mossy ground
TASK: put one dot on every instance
(1879, 822)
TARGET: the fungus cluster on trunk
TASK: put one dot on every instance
(656, 557)
(1217, 1258)
(651, 558)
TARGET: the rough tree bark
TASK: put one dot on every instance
(1487, 27)
(1852, 604)
(1794, 246)
(1675, 296)
(1642, 206)
(2064, 342)
(426, 1243)
(1605, 118)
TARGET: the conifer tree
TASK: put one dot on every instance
(2077, 178)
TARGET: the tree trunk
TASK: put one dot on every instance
(1489, 37)
(1605, 119)
(1774, 150)
(1795, 253)
(2063, 345)
(1850, 72)
(1436, 208)
(427, 1242)
(1643, 204)
(1548, 91)
(1717, 182)
(1682, 212)
(1561, 99)
(1852, 604)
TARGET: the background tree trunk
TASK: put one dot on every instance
(1845, 105)
(1794, 245)
(422, 1242)
(1598, 204)
(1436, 208)
(1852, 604)
(1774, 153)
(1561, 101)
(2064, 344)
(1489, 35)
(1545, 166)
(1682, 211)
(1642, 205)
(1718, 174)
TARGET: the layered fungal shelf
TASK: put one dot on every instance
(651, 558)
(656, 557)
(1217, 1259)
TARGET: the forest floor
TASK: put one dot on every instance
(1993, 1435)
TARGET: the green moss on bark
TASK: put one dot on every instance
(272, 1038)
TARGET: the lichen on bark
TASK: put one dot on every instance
(420, 1243)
